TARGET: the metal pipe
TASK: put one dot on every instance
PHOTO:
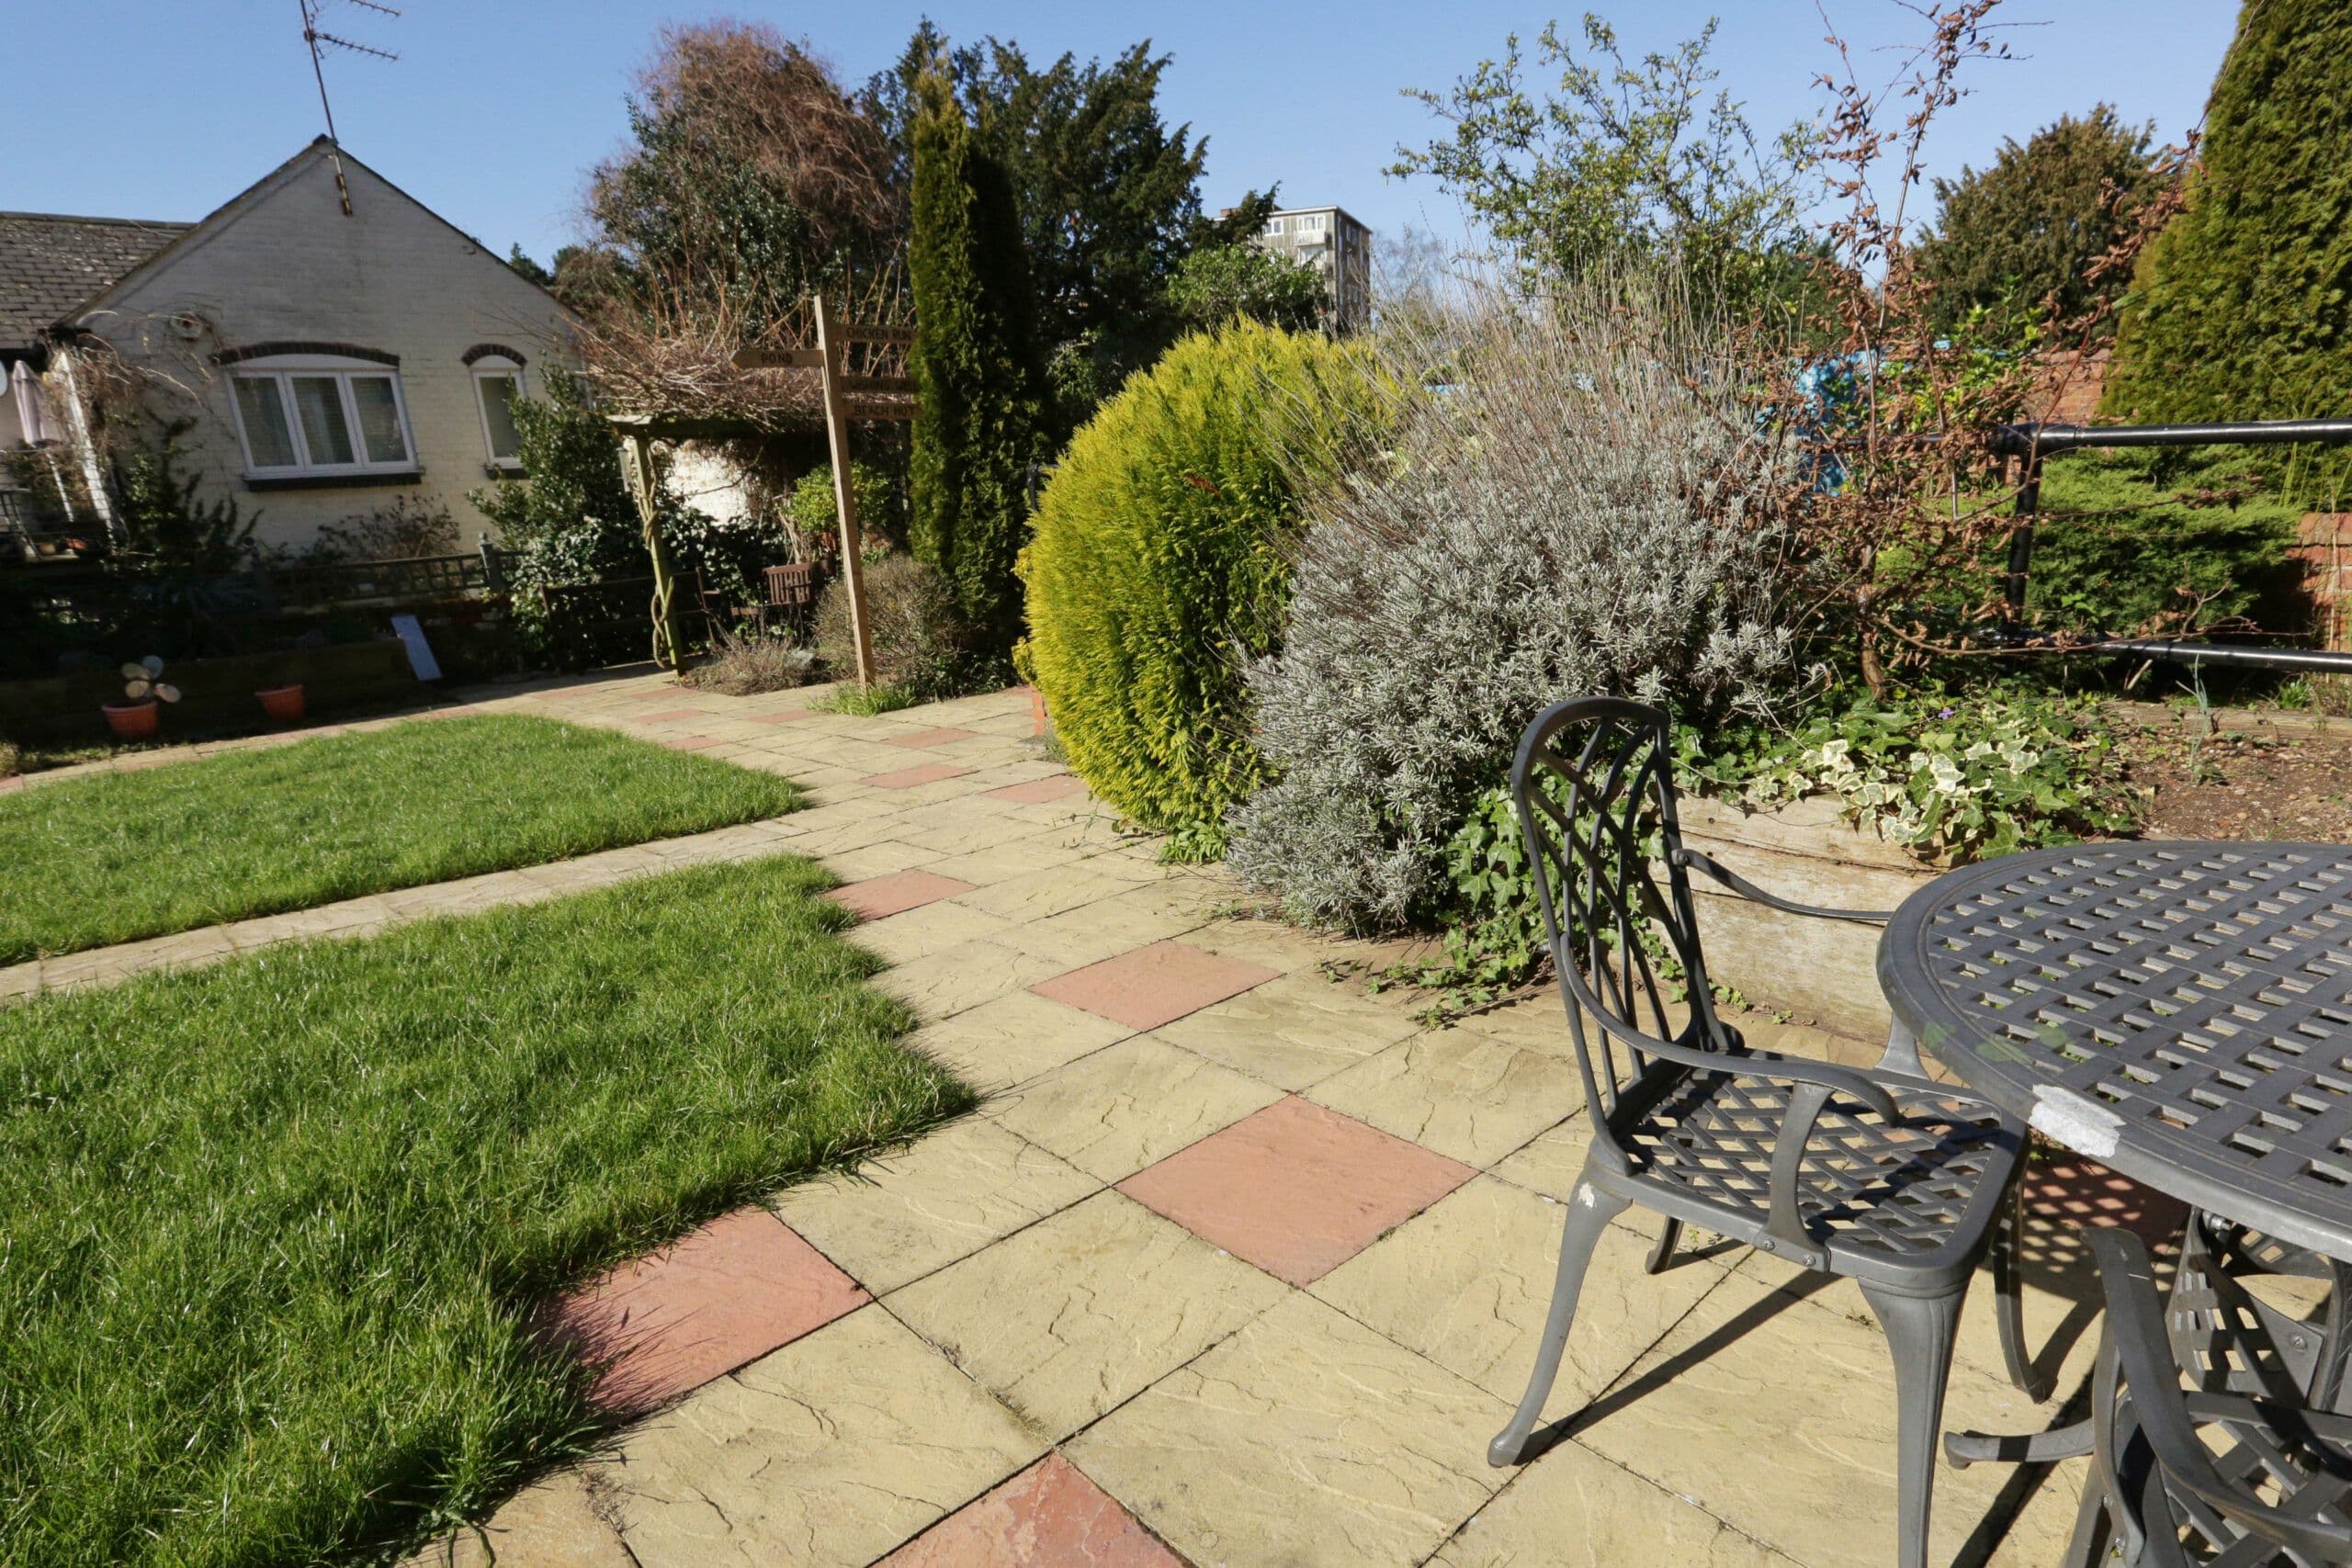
(2025, 440)
(2028, 505)
(2324, 661)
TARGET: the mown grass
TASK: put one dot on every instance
(119, 856)
(270, 1230)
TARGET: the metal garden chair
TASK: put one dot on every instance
(1883, 1176)
(2234, 1472)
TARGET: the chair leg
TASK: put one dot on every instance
(2088, 1547)
(1919, 1331)
(2008, 1283)
(1662, 1252)
(1589, 1211)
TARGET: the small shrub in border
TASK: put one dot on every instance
(921, 645)
(1159, 560)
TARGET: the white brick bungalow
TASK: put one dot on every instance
(331, 356)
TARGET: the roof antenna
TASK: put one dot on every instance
(321, 40)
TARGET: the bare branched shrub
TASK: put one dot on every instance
(1578, 499)
(919, 640)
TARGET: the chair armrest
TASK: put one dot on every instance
(1686, 856)
(1743, 1062)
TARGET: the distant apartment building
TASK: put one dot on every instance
(1331, 241)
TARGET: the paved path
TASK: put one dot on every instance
(1237, 1264)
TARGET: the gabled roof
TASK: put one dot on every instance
(49, 263)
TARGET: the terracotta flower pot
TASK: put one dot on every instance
(131, 721)
(282, 703)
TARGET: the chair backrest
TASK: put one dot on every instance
(2230, 1465)
(1594, 786)
(791, 587)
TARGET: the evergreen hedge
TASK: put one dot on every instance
(2243, 306)
(1158, 567)
(978, 381)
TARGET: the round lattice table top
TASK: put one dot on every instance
(2181, 1011)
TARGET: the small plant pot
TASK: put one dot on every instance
(131, 721)
(282, 703)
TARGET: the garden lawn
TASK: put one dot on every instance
(119, 856)
(270, 1230)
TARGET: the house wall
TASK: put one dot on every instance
(285, 265)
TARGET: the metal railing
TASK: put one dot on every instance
(2031, 443)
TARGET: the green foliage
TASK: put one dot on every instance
(1225, 282)
(166, 531)
(2240, 308)
(921, 649)
(276, 1227)
(2186, 539)
(1622, 158)
(2023, 231)
(815, 517)
(116, 857)
(1953, 780)
(865, 702)
(1109, 195)
(569, 519)
(977, 379)
(1950, 779)
(1158, 569)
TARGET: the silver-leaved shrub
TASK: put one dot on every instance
(1575, 500)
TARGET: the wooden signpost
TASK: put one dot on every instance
(847, 396)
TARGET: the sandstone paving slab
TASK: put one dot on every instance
(555, 1523)
(937, 735)
(1468, 1281)
(1780, 1415)
(908, 1212)
(1573, 1509)
(726, 1294)
(1092, 932)
(1014, 1038)
(951, 979)
(879, 898)
(1035, 850)
(1046, 891)
(1155, 985)
(1127, 1105)
(1295, 1189)
(828, 1452)
(1305, 1439)
(1080, 1311)
(927, 930)
(1040, 792)
(1293, 1032)
(1049, 1515)
(1469, 1096)
(879, 859)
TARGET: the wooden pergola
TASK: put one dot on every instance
(850, 395)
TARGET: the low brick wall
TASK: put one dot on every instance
(1823, 972)
(216, 694)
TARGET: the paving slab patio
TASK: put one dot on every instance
(1237, 1263)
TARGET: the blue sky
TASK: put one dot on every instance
(164, 108)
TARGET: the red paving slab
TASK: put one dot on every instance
(669, 715)
(724, 1295)
(939, 737)
(907, 778)
(691, 743)
(1295, 1188)
(878, 898)
(1153, 985)
(1037, 792)
(1049, 1515)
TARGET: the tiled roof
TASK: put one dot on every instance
(51, 264)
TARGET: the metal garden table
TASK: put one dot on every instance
(2181, 1012)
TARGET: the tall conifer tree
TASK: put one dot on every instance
(976, 368)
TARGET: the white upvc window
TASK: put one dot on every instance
(1273, 225)
(318, 416)
(498, 385)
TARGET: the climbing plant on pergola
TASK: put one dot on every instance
(860, 375)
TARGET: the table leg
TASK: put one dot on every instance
(1902, 1054)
